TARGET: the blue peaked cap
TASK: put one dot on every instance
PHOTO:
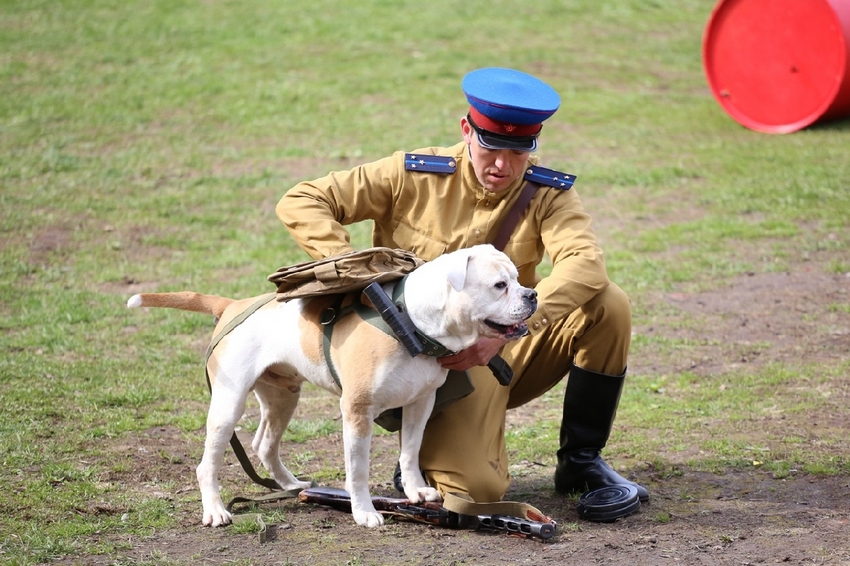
(508, 95)
(508, 106)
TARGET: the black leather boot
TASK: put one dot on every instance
(399, 487)
(590, 404)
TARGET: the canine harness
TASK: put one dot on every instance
(383, 320)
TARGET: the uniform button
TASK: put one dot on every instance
(544, 321)
(478, 232)
(486, 203)
(536, 325)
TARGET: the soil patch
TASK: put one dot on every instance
(692, 518)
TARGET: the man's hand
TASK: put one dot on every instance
(479, 354)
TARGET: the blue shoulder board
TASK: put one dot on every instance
(429, 163)
(549, 177)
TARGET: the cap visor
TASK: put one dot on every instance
(492, 142)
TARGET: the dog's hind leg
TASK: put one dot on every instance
(277, 405)
(226, 409)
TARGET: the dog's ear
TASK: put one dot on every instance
(457, 269)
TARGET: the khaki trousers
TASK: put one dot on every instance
(463, 450)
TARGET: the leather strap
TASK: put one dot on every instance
(511, 220)
(274, 496)
(463, 505)
(262, 529)
(240, 454)
(237, 320)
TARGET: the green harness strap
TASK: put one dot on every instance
(262, 300)
(328, 319)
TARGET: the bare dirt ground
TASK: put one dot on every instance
(692, 518)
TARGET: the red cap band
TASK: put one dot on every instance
(503, 128)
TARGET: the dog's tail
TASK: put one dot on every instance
(185, 300)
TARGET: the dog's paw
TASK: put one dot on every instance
(217, 517)
(369, 519)
(420, 494)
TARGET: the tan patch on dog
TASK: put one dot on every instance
(357, 349)
(311, 330)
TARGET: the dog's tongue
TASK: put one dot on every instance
(517, 331)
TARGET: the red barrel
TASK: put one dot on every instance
(778, 66)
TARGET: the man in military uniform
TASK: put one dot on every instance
(437, 200)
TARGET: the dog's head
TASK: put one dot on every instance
(479, 295)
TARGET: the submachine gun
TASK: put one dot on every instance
(432, 514)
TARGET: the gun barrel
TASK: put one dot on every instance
(517, 525)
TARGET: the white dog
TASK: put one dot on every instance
(455, 300)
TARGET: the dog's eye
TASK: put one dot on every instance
(500, 285)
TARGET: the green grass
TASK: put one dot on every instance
(145, 144)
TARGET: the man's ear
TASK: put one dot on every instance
(466, 130)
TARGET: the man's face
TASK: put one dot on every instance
(495, 169)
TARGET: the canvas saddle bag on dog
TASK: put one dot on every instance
(345, 273)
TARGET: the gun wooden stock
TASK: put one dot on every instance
(430, 513)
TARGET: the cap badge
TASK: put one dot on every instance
(509, 128)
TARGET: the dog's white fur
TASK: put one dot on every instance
(279, 346)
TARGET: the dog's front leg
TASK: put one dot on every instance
(357, 441)
(414, 418)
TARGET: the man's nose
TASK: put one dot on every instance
(501, 158)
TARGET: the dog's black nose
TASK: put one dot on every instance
(530, 295)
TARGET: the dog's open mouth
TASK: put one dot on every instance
(508, 331)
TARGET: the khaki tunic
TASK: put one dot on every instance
(432, 213)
